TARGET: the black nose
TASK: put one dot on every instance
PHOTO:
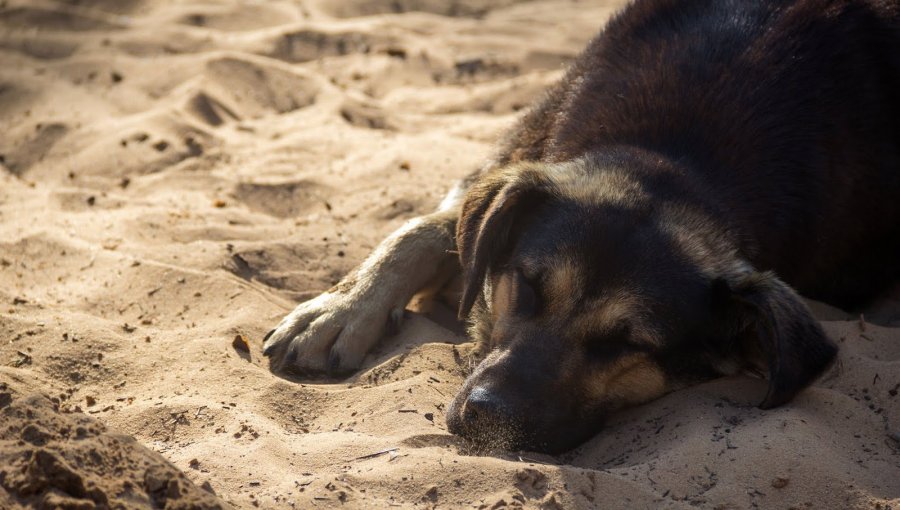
(484, 409)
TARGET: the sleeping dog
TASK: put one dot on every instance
(649, 223)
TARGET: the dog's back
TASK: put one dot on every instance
(786, 114)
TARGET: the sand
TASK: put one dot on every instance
(55, 459)
(174, 175)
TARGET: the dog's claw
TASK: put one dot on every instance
(291, 357)
(395, 320)
(334, 363)
(268, 349)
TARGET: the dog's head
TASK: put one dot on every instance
(591, 290)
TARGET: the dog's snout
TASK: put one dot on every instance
(483, 408)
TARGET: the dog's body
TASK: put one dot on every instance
(626, 239)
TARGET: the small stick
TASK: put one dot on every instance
(377, 454)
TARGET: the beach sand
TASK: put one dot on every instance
(178, 175)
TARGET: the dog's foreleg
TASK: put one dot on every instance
(334, 331)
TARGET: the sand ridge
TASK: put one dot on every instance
(70, 461)
(176, 174)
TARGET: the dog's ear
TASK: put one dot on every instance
(779, 334)
(488, 213)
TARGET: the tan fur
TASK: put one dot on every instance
(631, 379)
(564, 287)
(608, 187)
(599, 316)
(500, 296)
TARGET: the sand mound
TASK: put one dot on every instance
(174, 175)
(52, 459)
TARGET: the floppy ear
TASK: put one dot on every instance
(785, 340)
(488, 214)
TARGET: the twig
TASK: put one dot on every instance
(377, 454)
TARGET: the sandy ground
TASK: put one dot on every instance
(176, 174)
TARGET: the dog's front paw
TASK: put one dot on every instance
(331, 333)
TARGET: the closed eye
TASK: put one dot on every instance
(600, 350)
(611, 345)
(524, 295)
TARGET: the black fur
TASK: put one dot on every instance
(764, 137)
(788, 112)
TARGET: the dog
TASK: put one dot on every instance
(648, 224)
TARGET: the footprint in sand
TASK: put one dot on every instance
(240, 17)
(306, 45)
(237, 88)
(471, 8)
(282, 200)
(365, 115)
(56, 19)
(45, 46)
(33, 147)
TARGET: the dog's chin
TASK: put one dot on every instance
(513, 439)
(519, 434)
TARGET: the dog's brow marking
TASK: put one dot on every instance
(563, 285)
(631, 379)
(613, 310)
